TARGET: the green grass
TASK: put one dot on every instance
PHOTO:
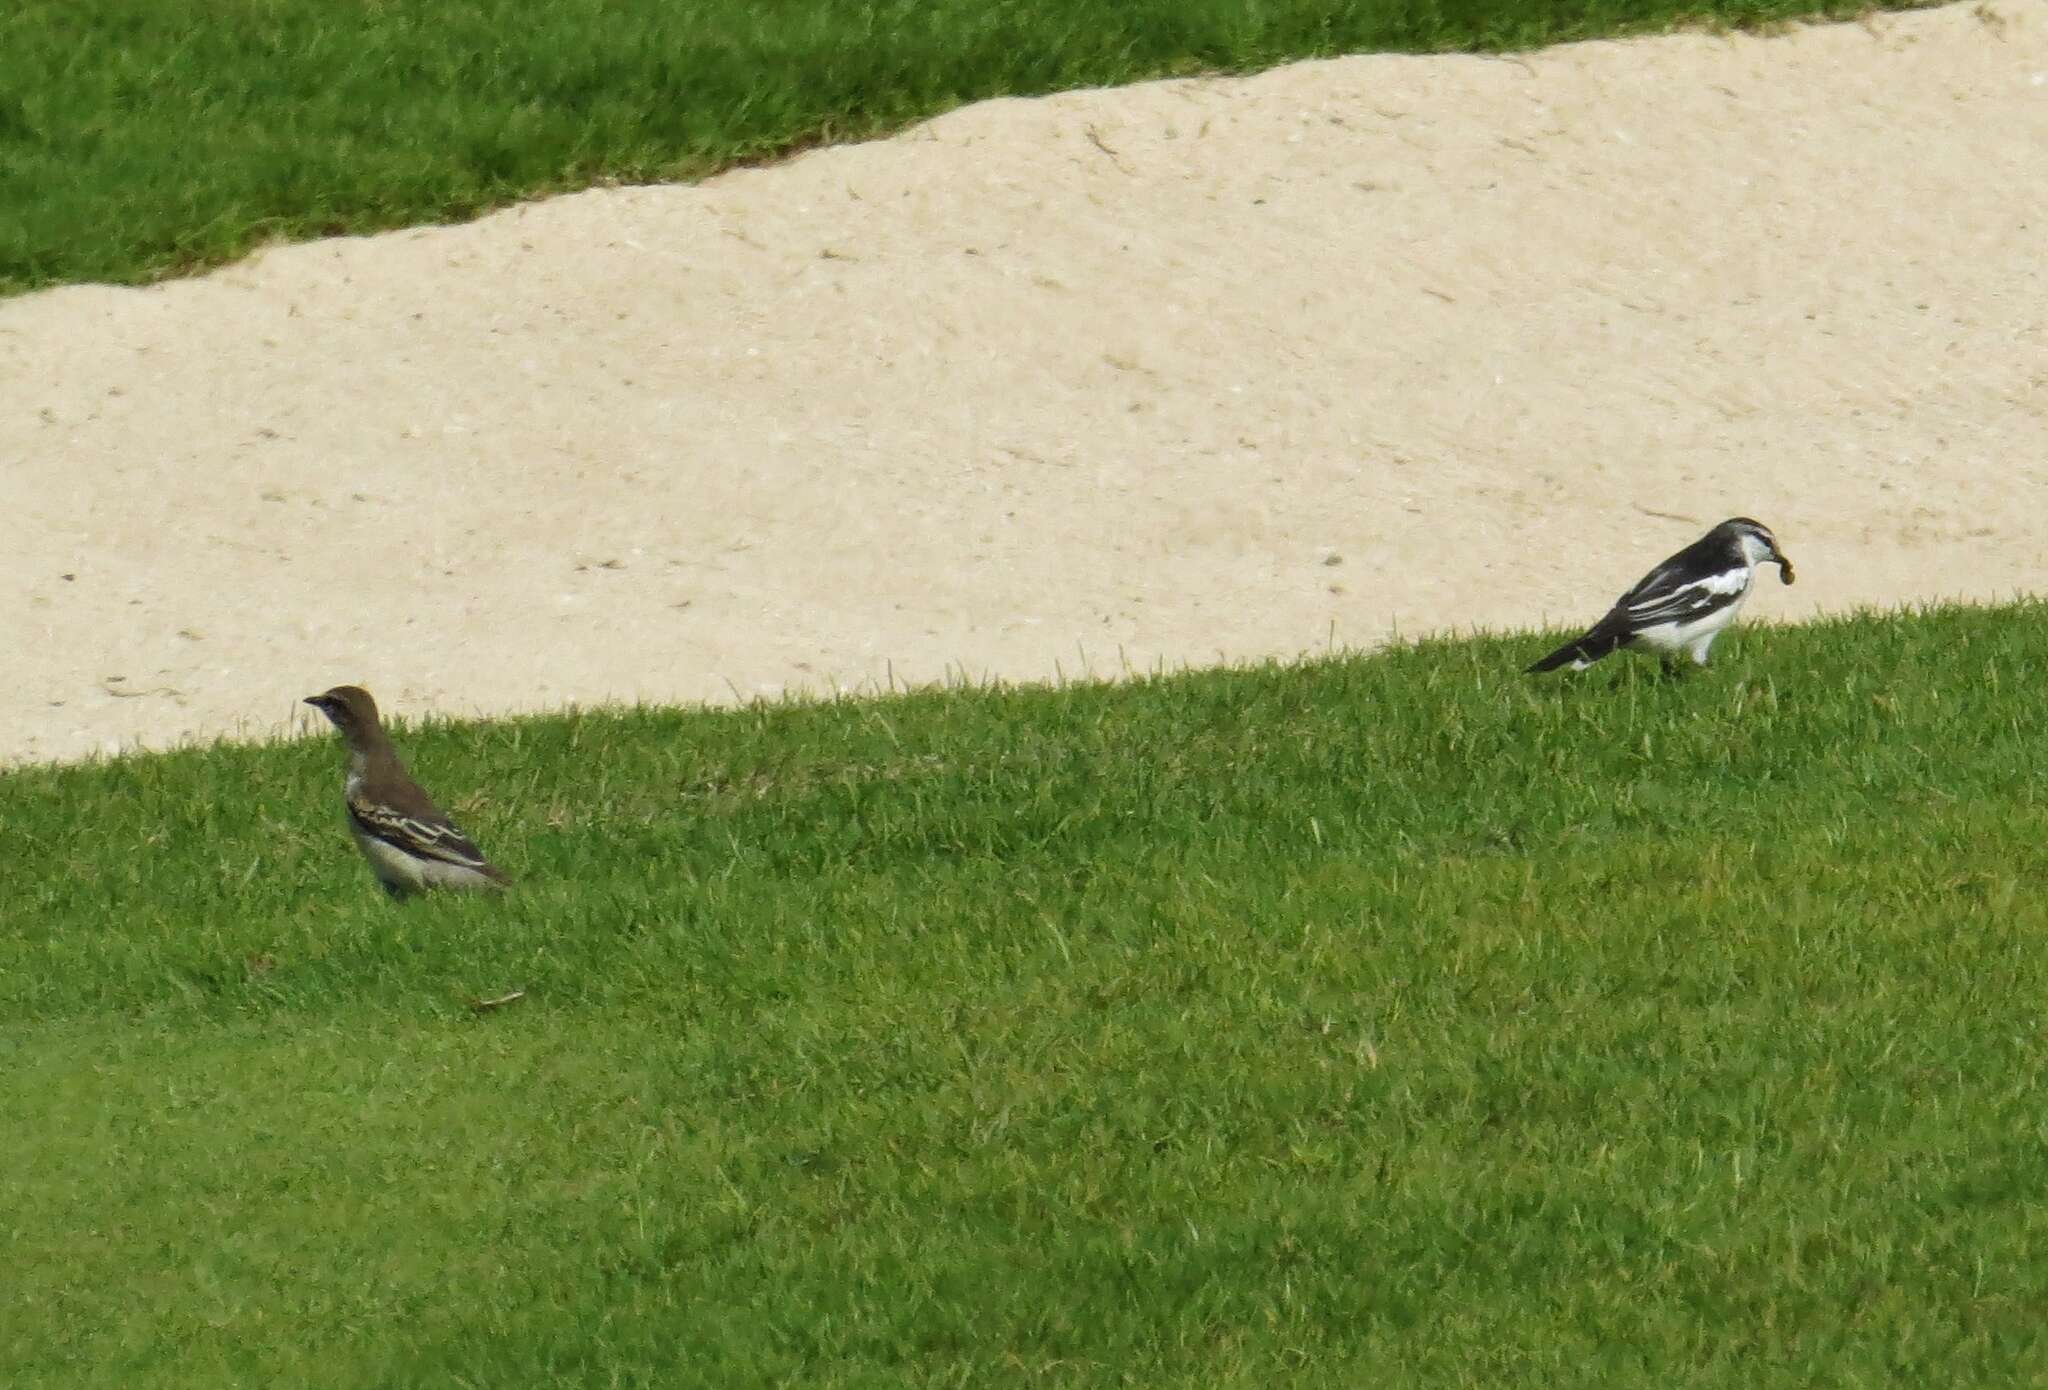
(146, 137)
(1393, 1021)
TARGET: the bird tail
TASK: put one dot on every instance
(1580, 651)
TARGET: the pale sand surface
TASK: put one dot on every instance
(1062, 386)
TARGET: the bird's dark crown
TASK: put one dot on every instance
(349, 706)
(1736, 527)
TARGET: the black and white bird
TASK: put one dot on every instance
(411, 844)
(1682, 605)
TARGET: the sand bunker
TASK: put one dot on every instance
(1193, 371)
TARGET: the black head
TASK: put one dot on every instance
(1755, 542)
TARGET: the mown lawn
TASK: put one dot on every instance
(1397, 1020)
(146, 137)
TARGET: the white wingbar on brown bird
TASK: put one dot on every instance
(411, 844)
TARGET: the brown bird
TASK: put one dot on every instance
(411, 844)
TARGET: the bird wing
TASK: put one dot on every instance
(1667, 595)
(424, 834)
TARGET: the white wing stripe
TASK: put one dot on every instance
(1695, 597)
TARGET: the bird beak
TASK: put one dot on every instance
(1784, 566)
